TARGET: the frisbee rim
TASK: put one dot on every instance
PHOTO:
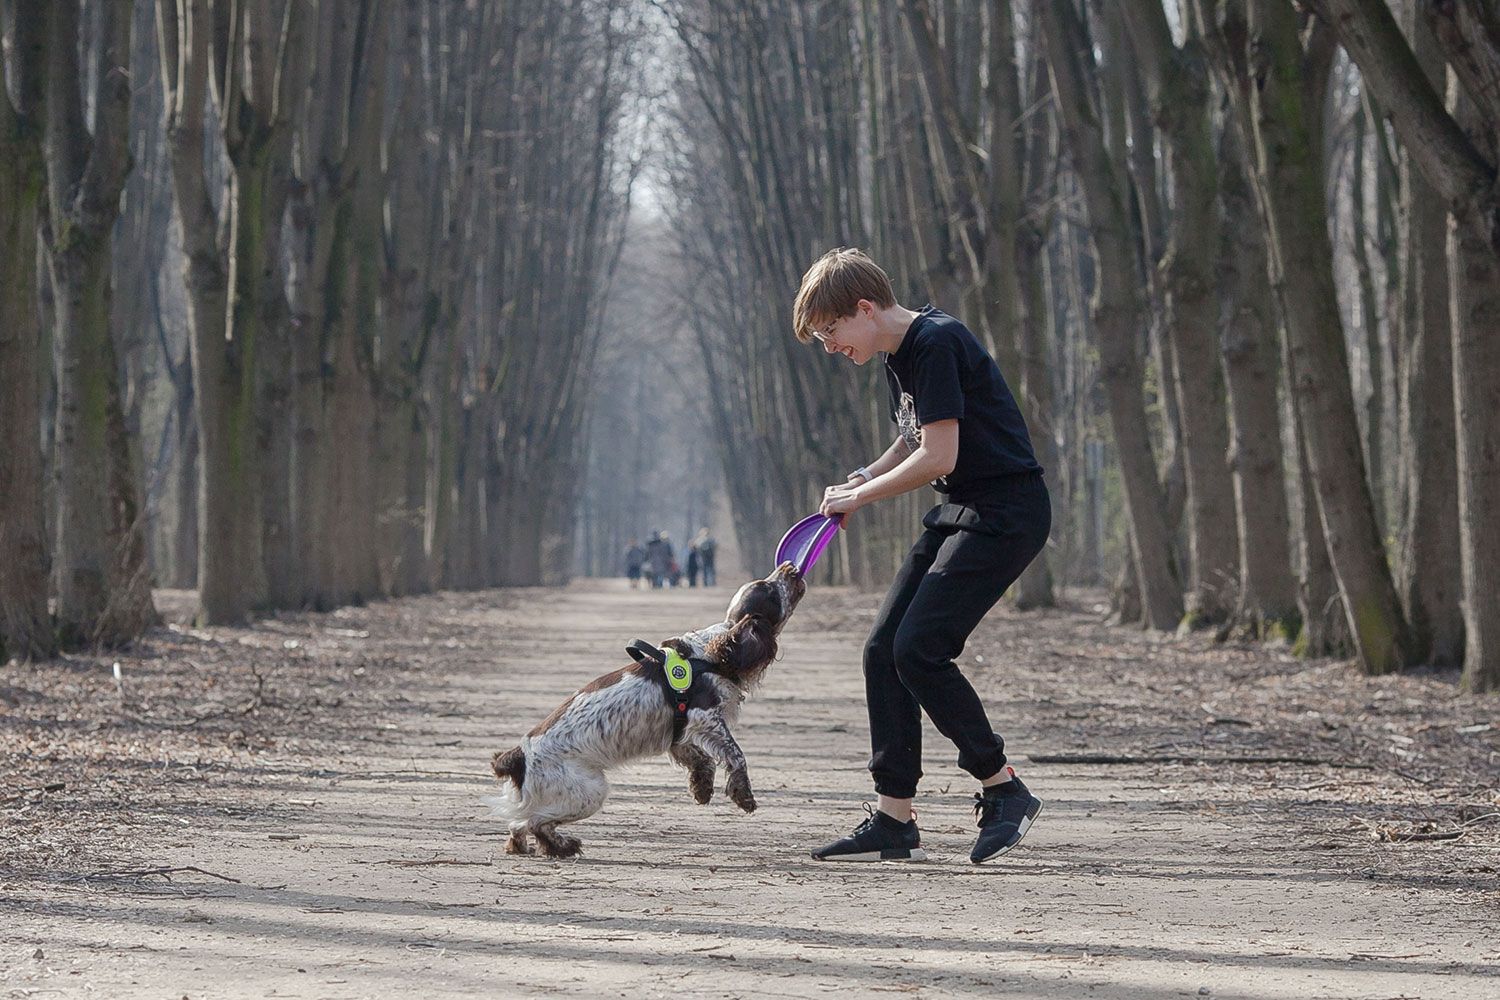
(805, 541)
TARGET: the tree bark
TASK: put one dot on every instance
(336, 243)
(1118, 313)
(1177, 83)
(1289, 175)
(235, 297)
(1474, 275)
(103, 582)
(1430, 548)
(1458, 157)
(1268, 586)
(25, 622)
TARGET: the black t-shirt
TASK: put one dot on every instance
(943, 372)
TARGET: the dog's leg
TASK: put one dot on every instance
(573, 792)
(517, 842)
(711, 733)
(700, 768)
(554, 844)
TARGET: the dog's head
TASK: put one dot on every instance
(755, 616)
(772, 599)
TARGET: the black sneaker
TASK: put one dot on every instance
(879, 838)
(1004, 814)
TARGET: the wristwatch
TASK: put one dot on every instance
(862, 471)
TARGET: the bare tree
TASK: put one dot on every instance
(1428, 436)
(1178, 84)
(25, 623)
(1250, 347)
(1119, 312)
(1457, 155)
(232, 261)
(1288, 174)
(103, 584)
(337, 253)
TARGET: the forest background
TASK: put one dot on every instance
(307, 303)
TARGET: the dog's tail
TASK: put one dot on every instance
(509, 764)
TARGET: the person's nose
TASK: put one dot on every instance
(829, 347)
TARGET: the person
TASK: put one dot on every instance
(666, 566)
(960, 429)
(635, 558)
(693, 563)
(658, 556)
(705, 546)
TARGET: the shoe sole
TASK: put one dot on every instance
(897, 854)
(1021, 829)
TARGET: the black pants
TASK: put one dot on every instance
(957, 571)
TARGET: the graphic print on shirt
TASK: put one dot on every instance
(906, 421)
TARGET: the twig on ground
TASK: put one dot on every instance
(164, 872)
(1102, 758)
(257, 700)
(1394, 837)
(55, 786)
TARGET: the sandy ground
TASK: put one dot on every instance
(321, 777)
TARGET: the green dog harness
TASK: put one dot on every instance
(677, 676)
(679, 672)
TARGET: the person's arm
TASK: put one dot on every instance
(934, 457)
(892, 457)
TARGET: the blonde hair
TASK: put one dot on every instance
(833, 286)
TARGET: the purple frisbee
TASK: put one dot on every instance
(806, 540)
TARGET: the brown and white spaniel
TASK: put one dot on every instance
(556, 774)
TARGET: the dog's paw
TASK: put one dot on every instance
(738, 790)
(559, 845)
(701, 784)
(517, 845)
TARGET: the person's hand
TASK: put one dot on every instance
(841, 499)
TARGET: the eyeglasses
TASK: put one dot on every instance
(822, 336)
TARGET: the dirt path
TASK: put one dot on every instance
(366, 865)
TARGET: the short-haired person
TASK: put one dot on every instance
(960, 430)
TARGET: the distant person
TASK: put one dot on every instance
(705, 546)
(635, 558)
(658, 559)
(693, 563)
(670, 570)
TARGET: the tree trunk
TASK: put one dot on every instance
(1457, 155)
(1118, 314)
(1324, 623)
(1476, 350)
(1372, 413)
(335, 234)
(1268, 586)
(1475, 278)
(1289, 175)
(1035, 587)
(236, 301)
(25, 623)
(1178, 86)
(103, 583)
(1430, 591)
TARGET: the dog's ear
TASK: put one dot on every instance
(752, 643)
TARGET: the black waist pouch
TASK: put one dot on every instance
(1023, 507)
